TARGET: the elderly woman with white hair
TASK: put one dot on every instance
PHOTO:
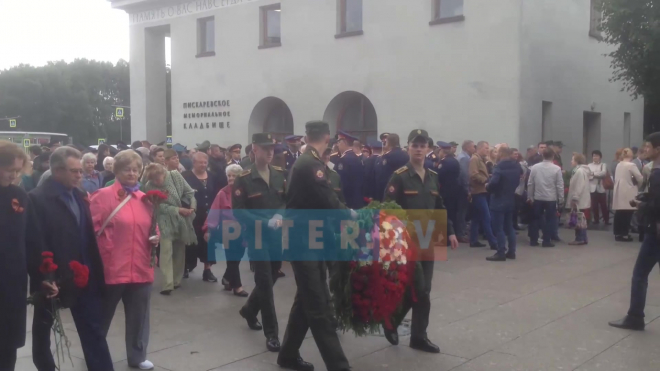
(108, 165)
(221, 211)
(92, 180)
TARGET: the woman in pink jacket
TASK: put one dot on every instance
(221, 210)
(125, 247)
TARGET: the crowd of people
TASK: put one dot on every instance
(489, 192)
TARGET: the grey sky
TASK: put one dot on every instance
(37, 31)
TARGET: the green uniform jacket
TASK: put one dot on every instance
(335, 183)
(246, 162)
(255, 200)
(309, 187)
(250, 191)
(408, 190)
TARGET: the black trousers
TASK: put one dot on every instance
(622, 220)
(7, 359)
(200, 251)
(262, 297)
(312, 309)
(88, 316)
(421, 308)
(234, 254)
(648, 257)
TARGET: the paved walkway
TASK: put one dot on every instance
(548, 310)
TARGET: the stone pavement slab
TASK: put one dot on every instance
(547, 310)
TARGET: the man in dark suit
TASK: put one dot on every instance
(366, 153)
(449, 171)
(537, 157)
(357, 149)
(234, 154)
(292, 153)
(350, 170)
(370, 171)
(431, 160)
(393, 158)
(64, 222)
(334, 153)
(217, 164)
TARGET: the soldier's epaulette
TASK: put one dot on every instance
(246, 172)
(433, 171)
(401, 170)
(285, 153)
(278, 168)
(334, 154)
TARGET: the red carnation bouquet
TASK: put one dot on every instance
(368, 289)
(79, 276)
(155, 198)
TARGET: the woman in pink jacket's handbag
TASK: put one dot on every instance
(122, 222)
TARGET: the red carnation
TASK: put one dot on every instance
(47, 266)
(46, 254)
(390, 234)
(80, 274)
(156, 194)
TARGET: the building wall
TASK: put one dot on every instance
(458, 80)
(562, 64)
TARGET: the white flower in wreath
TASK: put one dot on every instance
(387, 226)
(386, 265)
(397, 253)
(367, 236)
(383, 253)
(403, 259)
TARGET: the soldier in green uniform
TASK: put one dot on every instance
(249, 158)
(415, 188)
(309, 190)
(259, 197)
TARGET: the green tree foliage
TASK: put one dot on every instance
(73, 98)
(633, 27)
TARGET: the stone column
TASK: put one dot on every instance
(148, 106)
